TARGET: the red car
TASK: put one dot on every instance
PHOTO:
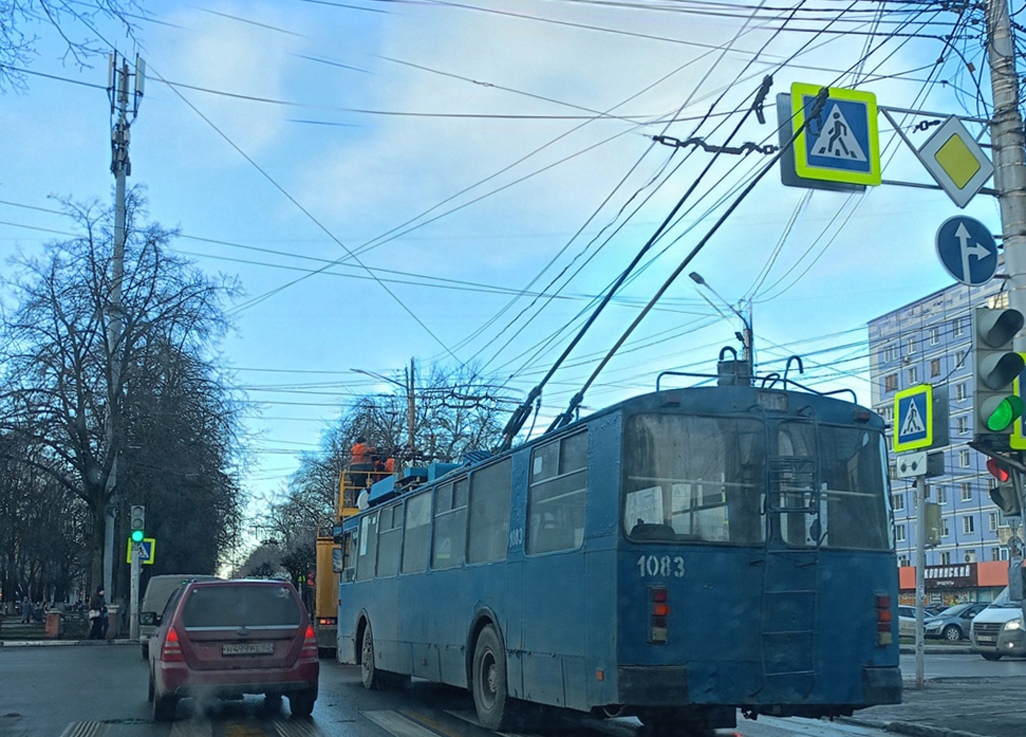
(223, 639)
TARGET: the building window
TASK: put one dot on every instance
(903, 561)
(968, 526)
(898, 501)
(945, 530)
(963, 458)
(899, 533)
(935, 367)
(891, 383)
(960, 392)
(942, 495)
(992, 521)
(910, 346)
(935, 339)
(970, 556)
(967, 492)
(890, 352)
(946, 558)
(995, 553)
(956, 326)
(962, 423)
(913, 375)
(1004, 553)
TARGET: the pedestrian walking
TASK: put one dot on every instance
(98, 615)
(26, 610)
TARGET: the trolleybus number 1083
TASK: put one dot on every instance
(664, 565)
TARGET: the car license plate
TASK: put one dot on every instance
(986, 640)
(248, 648)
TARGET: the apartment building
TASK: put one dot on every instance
(930, 341)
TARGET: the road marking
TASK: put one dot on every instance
(85, 729)
(398, 725)
(192, 728)
(297, 728)
(243, 728)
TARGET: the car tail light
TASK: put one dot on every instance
(309, 644)
(884, 620)
(659, 611)
(172, 650)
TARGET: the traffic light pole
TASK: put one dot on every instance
(133, 606)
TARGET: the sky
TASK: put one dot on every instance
(401, 180)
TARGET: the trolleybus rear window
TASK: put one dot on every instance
(694, 479)
(706, 479)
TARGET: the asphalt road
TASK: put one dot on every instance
(100, 691)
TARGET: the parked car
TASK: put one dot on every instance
(953, 623)
(224, 639)
(906, 621)
(158, 591)
(998, 629)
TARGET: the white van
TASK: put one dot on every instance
(998, 629)
(158, 591)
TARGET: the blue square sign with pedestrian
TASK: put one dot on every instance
(840, 143)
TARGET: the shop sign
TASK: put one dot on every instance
(951, 577)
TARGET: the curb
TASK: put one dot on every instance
(961, 650)
(908, 728)
(64, 643)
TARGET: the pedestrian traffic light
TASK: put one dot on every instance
(137, 517)
(1004, 495)
(995, 366)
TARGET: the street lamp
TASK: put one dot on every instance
(748, 352)
(408, 387)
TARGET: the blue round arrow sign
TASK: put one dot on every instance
(967, 250)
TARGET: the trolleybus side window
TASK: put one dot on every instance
(418, 532)
(694, 479)
(390, 540)
(450, 524)
(367, 547)
(488, 531)
(557, 494)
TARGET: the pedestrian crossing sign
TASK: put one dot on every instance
(842, 142)
(913, 418)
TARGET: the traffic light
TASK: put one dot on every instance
(995, 366)
(1004, 495)
(138, 521)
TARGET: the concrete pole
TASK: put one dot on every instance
(119, 167)
(1006, 134)
(133, 606)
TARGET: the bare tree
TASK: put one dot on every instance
(65, 376)
(75, 21)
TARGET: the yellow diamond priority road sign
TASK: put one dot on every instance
(956, 161)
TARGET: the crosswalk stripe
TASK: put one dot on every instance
(85, 729)
(192, 728)
(296, 728)
(398, 725)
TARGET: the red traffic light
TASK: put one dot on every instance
(998, 470)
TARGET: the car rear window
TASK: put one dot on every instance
(236, 606)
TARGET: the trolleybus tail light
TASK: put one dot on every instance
(659, 608)
(884, 620)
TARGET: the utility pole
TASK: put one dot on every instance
(1006, 135)
(921, 495)
(121, 167)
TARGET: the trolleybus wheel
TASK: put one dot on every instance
(370, 674)
(495, 709)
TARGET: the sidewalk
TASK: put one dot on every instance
(955, 707)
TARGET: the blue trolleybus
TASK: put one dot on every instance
(678, 556)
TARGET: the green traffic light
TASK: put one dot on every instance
(1008, 411)
(137, 536)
